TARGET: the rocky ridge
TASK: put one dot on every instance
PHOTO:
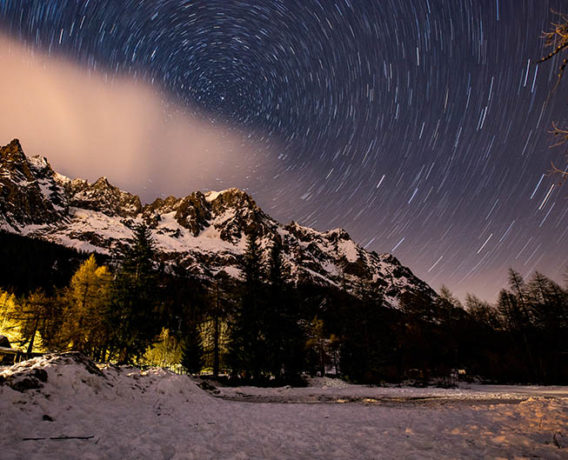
(205, 233)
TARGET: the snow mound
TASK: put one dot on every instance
(72, 374)
(34, 373)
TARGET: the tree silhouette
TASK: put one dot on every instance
(135, 313)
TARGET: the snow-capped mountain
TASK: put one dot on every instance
(202, 232)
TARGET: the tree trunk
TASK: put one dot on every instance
(31, 344)
(123, 356)
(216, 346)
(216, 333)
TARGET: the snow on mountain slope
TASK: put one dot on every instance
(64, 407)
(204, 233)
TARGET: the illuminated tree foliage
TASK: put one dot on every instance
(85, 326)
(38, 318)
(166, 352)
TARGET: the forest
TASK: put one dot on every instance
(130, 308)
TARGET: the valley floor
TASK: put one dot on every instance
(124, 413)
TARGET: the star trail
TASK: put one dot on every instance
(419, 126)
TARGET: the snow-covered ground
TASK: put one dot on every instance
(336, 390)
(124, 413)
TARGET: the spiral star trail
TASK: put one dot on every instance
(419, 126)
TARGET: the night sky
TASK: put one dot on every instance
(419, 126)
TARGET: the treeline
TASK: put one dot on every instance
(262, 329)
(522, 338)
(27, 264)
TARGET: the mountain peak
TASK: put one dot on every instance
(28, 194)
(12, 152)
(15, 143)
(236, 200)
(338, 233)
(13, 158)
(103, 196)
(228, 194)
(103, 183)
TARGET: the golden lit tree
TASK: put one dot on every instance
(316, 344)
(166, 352)
(36, 318)
(87, 299)
(8, 307)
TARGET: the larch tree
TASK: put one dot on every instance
(166, 352)
(87, 301)
(36, 314)
(7, 305)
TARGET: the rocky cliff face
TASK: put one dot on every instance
(28, 195)
(205, 233)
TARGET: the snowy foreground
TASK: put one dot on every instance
(123, 413)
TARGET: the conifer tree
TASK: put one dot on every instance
(482, 312)
(284, 337)
(367, 344)
(247, 347)
(274, 314)
(192, 351)
(447, 300)
(513, 307)
(135, 313)
(216, 321)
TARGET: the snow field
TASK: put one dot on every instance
(127, 413)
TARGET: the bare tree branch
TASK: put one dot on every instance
(557, 38)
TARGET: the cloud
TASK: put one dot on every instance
(89, 125)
